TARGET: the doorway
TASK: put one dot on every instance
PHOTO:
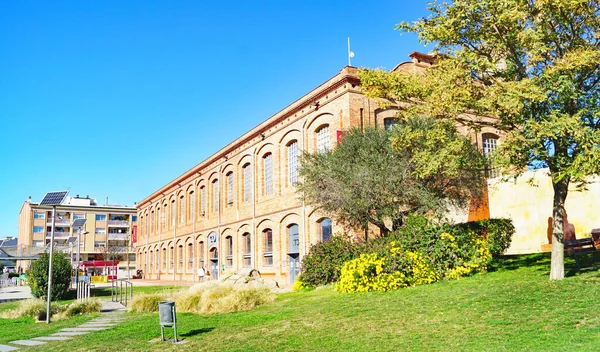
(294, 260)
(214, 263)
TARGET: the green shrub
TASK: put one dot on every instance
(61, 276)
(497, 232)
(324, 260)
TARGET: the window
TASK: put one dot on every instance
(100, 217)
(216, 195)
(164, 258)
(268, 247)
(38, 229)
(203, 200)
(100, 244)
(157, 260)
(323, 139)
(150, 260)
(200, 251)
(389, 123)
(247, 182)
(325, 225)
(37, 243)
(152, 223)
(294, 245)
(180, 258)
(182, 210)
(292, 151)
(268, 173)
(172, 257)
(247, 259)
(229, 251)
(190, 256)
(134, 218)
(230, 189)
(192, 207)
(39, 215)
(173, 213)
(490, 144)
(78, 216)
(100, 231)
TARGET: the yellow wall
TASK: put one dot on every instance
(530, 205)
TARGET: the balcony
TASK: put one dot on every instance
(118, 236)
(59, 235)
(58, 222)
(118, 223)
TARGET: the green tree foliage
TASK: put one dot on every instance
(61, 276)
(378, 177)
(533, 64)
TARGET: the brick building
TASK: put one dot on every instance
(239, 209)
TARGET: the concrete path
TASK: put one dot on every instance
(111, 315)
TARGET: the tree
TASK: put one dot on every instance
(378, 177)
(61, 276)
(113, 251)
(532, 64)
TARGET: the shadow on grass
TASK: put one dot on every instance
(538, 261)
(196, 332)
(587, 263)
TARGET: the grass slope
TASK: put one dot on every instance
(514, 308)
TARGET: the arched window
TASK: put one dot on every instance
(200, 251)
(190, 256)
(164, 258)
(202, 201)
(192, 207)
(325, 227)
(293, 238)
(152, 229)
(247, 182)
(292, 152)
(323, 139)
(172, 258)
(173, 214)
(268, 173)
(229, 251)
(247, 251)
(268, 247)
(230, 189)
(180, 258)
(216, 195)
(389, 123)
(490, 144)
(151, 261)
(182, 210)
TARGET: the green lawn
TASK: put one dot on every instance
(515, 308)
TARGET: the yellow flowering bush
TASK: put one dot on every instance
(366, 273)
(299, 284)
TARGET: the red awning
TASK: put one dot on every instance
(91, 263)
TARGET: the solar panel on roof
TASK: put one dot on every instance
(71, 239)
(54, 198)
(78, 223)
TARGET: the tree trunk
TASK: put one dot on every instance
(557, 264)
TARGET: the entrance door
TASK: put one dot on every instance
(214, 263)
(294, 260)
(214, 269)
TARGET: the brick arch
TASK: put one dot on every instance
(310, 123)
(289, 136)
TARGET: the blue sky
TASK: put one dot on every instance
(93, 95)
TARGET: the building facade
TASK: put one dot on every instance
(106, 235)
(239, 208)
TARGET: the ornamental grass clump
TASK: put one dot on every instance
(34, 307)
(92, 305)
(207, 298)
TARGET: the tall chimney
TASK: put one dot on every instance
(106, 201)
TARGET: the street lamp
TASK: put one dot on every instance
(52, 199)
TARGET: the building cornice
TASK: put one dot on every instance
(348, 75)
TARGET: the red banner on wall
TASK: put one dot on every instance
(340, 136)
(134, 234)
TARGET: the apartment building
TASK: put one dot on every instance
(239, 208)
(107, 233)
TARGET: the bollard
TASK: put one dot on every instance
(167, 316)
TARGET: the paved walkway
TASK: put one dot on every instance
(112, 314)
